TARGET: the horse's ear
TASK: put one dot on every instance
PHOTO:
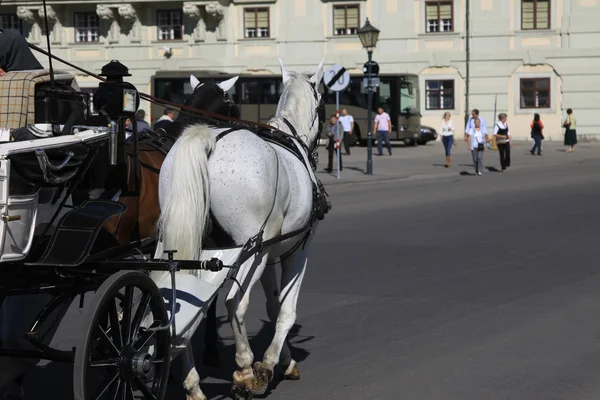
(228, 84)
(194, 82)
(284, 74)
(316, 78)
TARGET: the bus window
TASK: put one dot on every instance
(385, 96)
(408, 98)
(249, 92)
(269, 93)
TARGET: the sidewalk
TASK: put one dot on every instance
(427, 162)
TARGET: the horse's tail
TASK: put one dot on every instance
(184, 214)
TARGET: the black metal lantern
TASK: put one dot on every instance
(368, 35)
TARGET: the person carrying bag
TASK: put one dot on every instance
(502, 135)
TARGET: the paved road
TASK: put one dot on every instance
(437, 285)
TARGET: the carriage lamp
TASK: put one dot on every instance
(116, 100)
(368, 36)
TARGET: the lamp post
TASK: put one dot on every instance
(368, 35)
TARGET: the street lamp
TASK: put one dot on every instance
(368, 35)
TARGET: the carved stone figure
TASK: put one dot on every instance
(27, 15)
(54, 25)
(217, 14)
(130, 22)
(193, 11)
(107, 14)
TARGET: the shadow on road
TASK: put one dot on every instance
(54, 381)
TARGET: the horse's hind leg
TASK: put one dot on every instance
(191, 384)
(237, 305)
(271, 289)
(293, 270)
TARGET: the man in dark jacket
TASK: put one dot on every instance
(15, 54)
(166, 119)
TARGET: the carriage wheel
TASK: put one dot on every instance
(116, 356)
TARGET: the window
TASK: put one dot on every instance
(439, 95)
(346, 19)
(535, 93)
(169, 24)
(438, 16)
(409, 101)
(10, 22)
(535, 14)
(256, 22)
(86, 27)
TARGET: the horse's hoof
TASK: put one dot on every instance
(292, 373)
(241, 392)
(262, 378)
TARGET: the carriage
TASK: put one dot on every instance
(137, 307)
(49, 249)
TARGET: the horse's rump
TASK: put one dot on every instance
(142, 210)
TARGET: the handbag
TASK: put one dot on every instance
(480, 146)
(501, 140)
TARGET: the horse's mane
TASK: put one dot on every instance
(296, 108)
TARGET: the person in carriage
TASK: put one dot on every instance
(15, 54)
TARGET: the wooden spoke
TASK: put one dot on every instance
(144, 389)
(114, 324)
(106, 384)
(127, 311)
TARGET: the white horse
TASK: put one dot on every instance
(249, 186)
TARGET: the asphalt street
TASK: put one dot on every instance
(432, 284)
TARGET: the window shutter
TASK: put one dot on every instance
(446, 11)
(527, 14)
(339, 18)
(249, 19)
(352, 17)
(542, 15)
(262, 19)
(432, 12)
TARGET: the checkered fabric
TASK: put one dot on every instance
(17, 95)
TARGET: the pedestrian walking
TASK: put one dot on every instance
(537, 134)
(471, 124)
(332, 132)
(447, 131)
(383, 127)
(347, 122)
(570, 133)
(502, 136)
(477, 139)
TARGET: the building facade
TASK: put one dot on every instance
(526, 56)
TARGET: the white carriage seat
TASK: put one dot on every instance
(26, 187)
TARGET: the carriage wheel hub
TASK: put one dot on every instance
(141, 364)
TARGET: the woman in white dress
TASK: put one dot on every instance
(447, 131)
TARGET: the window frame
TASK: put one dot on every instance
(171, 27)
(345, 8)
(256, 10)
(19, 21)
(535, 93)
(535, 11)
(439, 94)
(439, 4)
(87, 27)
